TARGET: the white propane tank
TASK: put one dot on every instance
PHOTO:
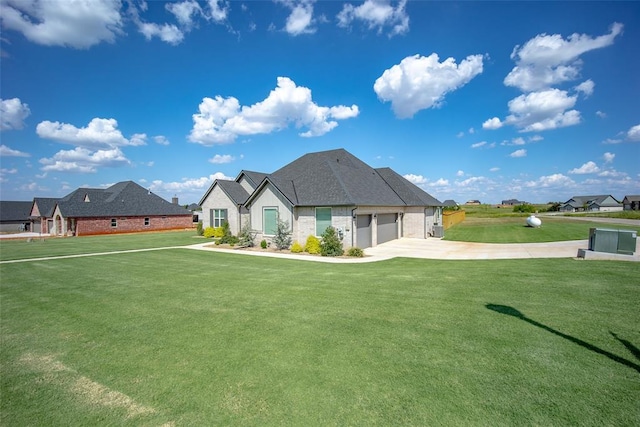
(533, 221)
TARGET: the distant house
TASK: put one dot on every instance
(42, 214)
(449, 203)
(473, 202)
(601, 203)
(125, 207)
(366, 206)
(631, 203)
(513, 202)
(14, 216)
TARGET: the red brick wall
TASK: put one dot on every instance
(132, 224)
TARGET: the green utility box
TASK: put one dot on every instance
(612, 241)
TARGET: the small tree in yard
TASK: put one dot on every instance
(331, 244)
(282, 238)
(246, 236)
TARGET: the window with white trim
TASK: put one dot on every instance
(323, 220)
(269, 221)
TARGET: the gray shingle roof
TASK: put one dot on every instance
(11, 211)
(255, 178)
(46, 205)
(234, 190)
(338, 178)
(579, 201)
(122, 199)
(411, 194)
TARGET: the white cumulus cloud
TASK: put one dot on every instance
(589, 167)
(219, 159)
(99, 133)
(608, 157)
(79, 24)
(13, 112)
(9, 152)
(557, 180)
(492, 124)
(633, 134)
(168, 33)
(221, 120)
(547, 60)
(97, 145)
(83, 160)
(184, 11)
(377, 15)
(415, 179)
(300, 21)
(160, 139)
(544, 110)
(586, 87)
(420, 82)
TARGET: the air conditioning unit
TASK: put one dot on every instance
(438, 231)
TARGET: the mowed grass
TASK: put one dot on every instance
(515, 230)
(61, 246)
(180, 337)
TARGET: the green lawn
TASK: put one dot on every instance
(179, 337)
(514, 230)
(58, 246)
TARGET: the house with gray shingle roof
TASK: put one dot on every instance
(601, 203)
(42, 214)
(125, 207)
(366, 206)
(631, 203)
(14, 216)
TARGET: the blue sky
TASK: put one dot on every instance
(537, 101)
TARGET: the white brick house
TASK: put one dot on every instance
(331, 188)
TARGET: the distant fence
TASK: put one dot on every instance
(451, 218)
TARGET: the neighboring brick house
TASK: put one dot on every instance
(631, 203)
(14, 216)
(42, 214)
(601, 203)
(367, 206)
(125, 207)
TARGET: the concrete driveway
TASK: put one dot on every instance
(444, 249)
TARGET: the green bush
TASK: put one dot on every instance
(313, 245)
(355, 252)
(526, 208)
(296, 248)
(282, 238)
(199, 229)
(331, 244)
(209, 232)
(263, 244)
(218, 232)
(246, 236)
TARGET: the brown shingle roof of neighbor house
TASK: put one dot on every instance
(120, 200)
(338, 178)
